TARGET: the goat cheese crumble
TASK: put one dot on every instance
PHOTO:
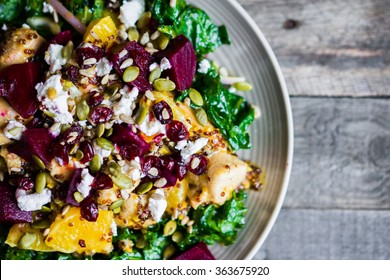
(102, 153)
(193, 147)
(84, 187)
(131, 11)
(14, 130)
(32, 202)
(165, 64)
(204, 66)
(157, 205)
(103, 67)
(151, 126)
(53, 57)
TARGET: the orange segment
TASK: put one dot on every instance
(101, 32)
(71, 233)
(176, 196)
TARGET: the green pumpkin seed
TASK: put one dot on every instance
(155, 74)
(100, 130)
(114, 168)
(79, 155)
(169, 252)
(201, 116)
(27, 240)
(170, 228)
(40, 182)
(116, 210)
(50, 114)
(38, 162)
(131, 74)
(105, 144)
(46, 209)
(162, 42)
(145, 188)
(144, 20)
(67, 51)
(95, 164)
(243, 86)
(117, 204)
(82, 110)
(41, 224)
(50, 181)
(133, 34)
(141, 243)
(177, 237)
(164, 85)
(112, 89)
(141, 115)
(122, 181)
(196, 97)
(109, 132)
(78, 197)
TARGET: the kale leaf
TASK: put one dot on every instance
(86, 10)
(165, 14)
(34, 8)
(10, 10)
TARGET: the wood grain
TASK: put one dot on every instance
(341, 48)
(329, 234)
(342, 154)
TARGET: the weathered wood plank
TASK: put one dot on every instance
(328, 234)
(342, 154)
(341, 48)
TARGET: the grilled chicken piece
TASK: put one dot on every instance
(224, 174)
(19, 45)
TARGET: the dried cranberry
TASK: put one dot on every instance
(151, 167)
(180, 170)
(163, 112)
(157, 139)
(95, 98)
(176, 131)
(62, 38)
(24, 183)
(89, 209)
(102, 182)
(88, 51)
(72, 135)
(72, 73)
(197, 164)
(129, 152)
(168, 163)
(88, 151)
(171, 179)
(101, 115)
(60, 153)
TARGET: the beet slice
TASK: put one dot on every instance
(17, 86)
(181, 55)
(34, 141)
(9, 210)
(123, 135)
(198, 252)
(142, 59)
(76, 178)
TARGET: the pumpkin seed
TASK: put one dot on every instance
(133, 34)
(27, 240)
(50, 181)
(162, 42)
(170, 228)
(114, 167)
(141, 243)
(50, 114)
(67, 51)
(112, 89)
(201, 116)
(117, 204)
(38, 162)
(145, 187)
(122, 181)
(131, 74)
(82, 110)
(144, 20)
(169, 252)
(196, 97)
(41, 224)
(79, 155)
(155, 74)
(109, 132)
(164, 85)
(141, 114)
(78, 197)
(243, 86)
(177, 237)
(45, 209)
(116, 210)
(40, 182)
(105, 144)
(100, 130)
(95, 164)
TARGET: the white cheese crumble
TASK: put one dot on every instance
(132, 169)
(4, 27)
(84, 187)
(103, 67)
(53, 57)
(102, 153)
(193, 147)
(126, 104)
(157, 205)
(165, 64)
(131, 11)
(204, 66)
(47, 8)
(153, 66)
(14, 130)
(56, 105)
(114, 228)
(32, 202)
(151, 126)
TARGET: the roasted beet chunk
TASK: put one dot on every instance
(87, 51)
(17, 86)
(9, 210)
(60, 153)
(123, 134)
(34, 141)
(198, 252)
(141, 58)
(182, 57)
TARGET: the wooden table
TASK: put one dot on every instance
(336, 65)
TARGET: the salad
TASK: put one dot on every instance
(117, 132)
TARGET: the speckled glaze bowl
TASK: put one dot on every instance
(272, 135)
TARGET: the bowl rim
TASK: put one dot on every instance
(290, 132)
